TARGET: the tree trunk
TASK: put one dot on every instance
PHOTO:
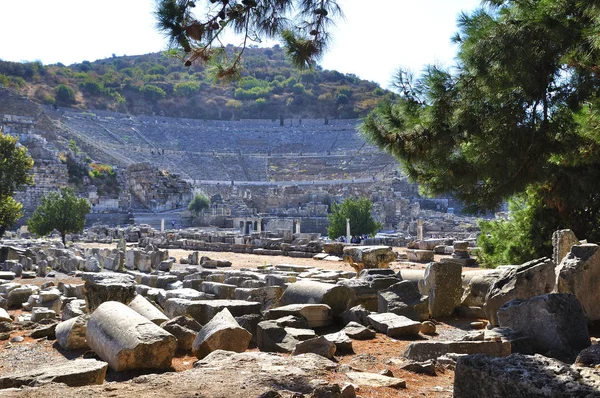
(63, 236)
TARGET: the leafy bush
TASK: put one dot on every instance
(65, 95)
(359, 213)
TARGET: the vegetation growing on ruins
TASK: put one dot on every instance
(198, 204)
(519, 114)
(270, 87)
(361, 220)
(15, 165)
(62, 211)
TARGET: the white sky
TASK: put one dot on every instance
(376, 37)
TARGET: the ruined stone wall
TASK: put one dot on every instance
(156, 190)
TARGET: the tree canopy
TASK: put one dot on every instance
(198, 203)
(62, 211)
(518, 113)
(195, 28)
(15, 164)
(359, 213)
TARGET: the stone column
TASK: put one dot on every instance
(162, 225)
(348, 237)
(297, 226)
(259, 225)
(419, 229)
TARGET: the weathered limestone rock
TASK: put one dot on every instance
(357, 331)
(554, 323)
(420, 256)
(375, 380)
(403, 298)
(531, 279)
(39, 313)
(316, 315)
(19, 295)
(426, 350)
(443, 285)
(70, 334)
(394, 325)
(4, 317)
(76, 373)
(185, 329)
(317, 345)
(267, 296)
(107, 287)
(148, 310)
(579, 274)
(476, 286)
(273, 336)
(356, 314)
(73, 309)
(425, 367)
(127, 340)
(589, 356)
(522, 376)
(338, 298)
(343, 343)
(361, 257)
(222, 332)
(562, 242)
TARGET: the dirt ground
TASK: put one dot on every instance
(381, 353)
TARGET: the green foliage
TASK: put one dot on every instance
(10, 212)
(186, 89)
(99, 170)
(518, 114)
(65, 95)
(152, 92)
(198, 204)
(62, 211)
(359, 213)
(73, 147)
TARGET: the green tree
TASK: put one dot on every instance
(518, 114)
(359, 213)
(62, 211)
(197, 37)
(198, 204)
(15, 165)
(65, 95)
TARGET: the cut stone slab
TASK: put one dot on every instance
(562, 242)
(420, 256)
(375, 380)
(522, 376)
(343, 343)
(76, 373)
(317, 345)
(317, 315)
(222, 332)
(443, 285)
(403, 298)
(356, 331)
(101, 287)
(426, 350)
(39, 313)
(274, 337)
(127, 340)
(362, 257)
(554, 323)
(185, 329)
(70, 334)
(394, 325)
(142, 306)
(204, 310)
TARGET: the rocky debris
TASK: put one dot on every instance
(356, 314)
(148, 310)
(73, 309)
(127, 340)
(316, 345)
(316, 315)
(363, 257)
(368, 284)
(4, 317)
(476, 285)
(578, 273)
(528, 280)
(343, 343)
(357, 331)
(394, 325)
(70, 334)
(76, 373)
(222, 332)
(428, 350)
(375, 380)
(403, 298)
(425, 367)
(185, 329)
(276, 336)
(589, 356)
(443, 285)
(554, 323)
(338, 298)
(107, 287)
(522, 376)
(419, 256)
(562, 242)
(39, 313)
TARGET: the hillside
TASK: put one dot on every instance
(157, 84)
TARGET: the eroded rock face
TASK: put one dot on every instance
(364, 257)
(531, 279)
(554, 323)
(127, 340)
(522, 376)
(579, 274)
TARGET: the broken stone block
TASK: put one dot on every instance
(76, 373)
(357, 331)
(103, 287)
(394, 325)
(443, 285)
(127, 340)
(317, 345)
(4, 317)
(531, 279)
(578, 274)
(316, 315)
(39, 313)
(403, 298)
(274, 337)
(267, 296)
(73, 309)
(362, 257)
(425, 367)
(554, 323)
(343, 343)
(148, 310)
(19, 295)
(185, 329)
(70, 334)
(420, 256)
(356, 314)
(522, 376)
(338, 298)
(426, 350)
(222, 332)
(375, 380)
(562, 242)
